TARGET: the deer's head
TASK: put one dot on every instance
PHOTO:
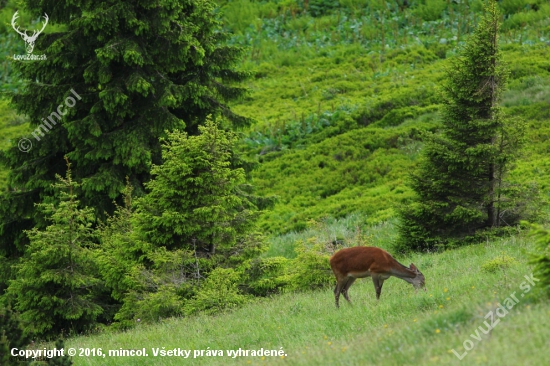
(29, 40)
(419, 281)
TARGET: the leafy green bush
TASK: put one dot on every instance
(431, 10)
(310, 269)
(159, 285)
(218, 292)
(265, 275)
(322, 7)
(500, 262)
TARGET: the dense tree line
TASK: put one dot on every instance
(141, 69)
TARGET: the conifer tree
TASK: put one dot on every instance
(56, 280)
(11, 336)
(460, 181)
(195, 200)
(61, 360)
(139, 68)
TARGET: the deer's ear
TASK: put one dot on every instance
(413, 267)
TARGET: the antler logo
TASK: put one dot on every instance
(29, 40)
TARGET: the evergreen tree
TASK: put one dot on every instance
(195, 200)
(136, 68)
(197, 216)
(459, 183)
(541, 257)
(61, 360)
(56, 279)
(11, 336)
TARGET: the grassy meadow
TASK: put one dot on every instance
(403, 328)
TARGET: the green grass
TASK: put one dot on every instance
(358, 158)
(339, 121)
(402, 328)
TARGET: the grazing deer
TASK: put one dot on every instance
(350, 264)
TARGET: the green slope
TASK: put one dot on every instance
(402, 328)
(360, 158)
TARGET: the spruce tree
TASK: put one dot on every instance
(195, 200)
(56, 282)
(139, 68)
(11, 336)
(197, 216)
(460, 180)
(61, 360)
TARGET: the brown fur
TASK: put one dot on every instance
(351, 263)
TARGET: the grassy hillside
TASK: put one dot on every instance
(342, 94)
(356, 156)
(403, 328)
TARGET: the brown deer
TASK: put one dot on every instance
(350, 264)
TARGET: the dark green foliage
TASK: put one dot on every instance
(321, 7)
(195, 198)
(197, 217)
(57, 280)
(430, 10)
(11, 336)
(310, 269)
(541, 258)
(158, 284)
(119, 253)
(62, 360)
(460, 182)
(265, 275)
(140, 68)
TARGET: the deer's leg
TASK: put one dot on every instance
(378, 282)
(340, 284)
(346, 288)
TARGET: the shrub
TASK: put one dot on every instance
(501, 262)
(541, 258)
(266, 275)
(160, 283)
(310, 269)
(431, 10)
(219, 292)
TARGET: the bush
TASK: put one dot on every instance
(310, 269)
(160, 283)
(500, 262)
(266, 275)
(431, 10)
(219, 292)
(541, 259)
